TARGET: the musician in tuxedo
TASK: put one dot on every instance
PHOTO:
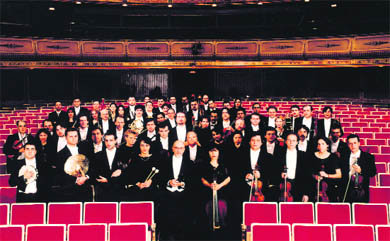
(255, 124)
(173, 104)
(203, 131)
(160, 104)
(130, 110)
(180, 131)
(107, 170)
(68, 188)
(324, 125)
(30, 177)
(356, 165)
(270, 120)
(120, 130)
(308, 120)
(295, 168)
(304, 144)
(96, 106)
(211, 107)
(257, 163)
(149, 110)
(337, 146)
(294, 116)
(194, 150)
(214, 119)
(58, 115)
(205, 103)
(14, 145)
(48, 125)
(94, 145)
(185, 106)
(84, 129)
(160, 117)
(176, 182)
(171, 118)
(150, 132)
(78, 110)
(105, 121)
(163, 144)
(271, 144)
(194, 115)
(240, 114)
(256, 108)
(60, 139)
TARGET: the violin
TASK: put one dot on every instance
(322, 187)
(255, 194)
(285, 187)
(18, 144)
(358, 191)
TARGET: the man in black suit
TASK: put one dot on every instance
(120, 130)
(173, 104)
(359, 165)
(271, 144)
(163, 144)
(160, 103)
(149, 110)
(308, 120)
(257, 163)
(107, 170)
(256, 108)
(296, 169)
(214, 119)
(194, 115)
(30, 177)
(69, 188)
(305, 145)
(105, 121)
(84, 129)
(176, 183)
(270, 120)
(294, 116)
(194, 151)
(94, 145)
(324, 125)
(171, 118)
(255, 125)
(181, 129)
(150, 132)
(185, 106)
(14, 145)
(58, 115)
(78, 110)
(337, 145)
(130, 110)
(48, 125)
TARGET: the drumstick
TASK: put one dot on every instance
(151, 172)
(150, 178)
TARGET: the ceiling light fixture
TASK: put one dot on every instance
(51, 9)
(78, 2)
(333, 5)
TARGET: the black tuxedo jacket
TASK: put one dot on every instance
(265, 165)
(89, 133)
(299, 123)
(83, 111)
(321, 126)
(12, 153)
(101, 167)
(111, 125)
(200, 155)
(128, 114)
(185, 174)
(56, 119)
(303, 182)
(173, 133)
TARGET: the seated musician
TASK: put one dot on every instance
(14, 145)
(107, 170)
(30, 176)
(296, 169)
(324, 125)
(357, 167)
(214, 176)
(326, 168)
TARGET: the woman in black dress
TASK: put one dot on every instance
(326, 168)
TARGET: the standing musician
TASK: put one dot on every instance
(149, 110)
(78, 110)
(172, 104)
(137, 124)
(48, 124)
(130, 110)
(105, 121)
(296, 170)
(304, 144)
(357, 168)
(255, 124)
(119, 130)
(107, 170)
(281, 131)
(203, 131)
(30, 176)
(84, 129)
(326, 168)
(14, 145)
(215, 176)
(270, 121)
(171, 118)
(226, 124)
(58, 115)
(325, 125)
(71, 121)
(308, 120)
(195, 113)
(180, 131)
(294, 116)
(337, 145)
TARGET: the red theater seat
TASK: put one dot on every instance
(100, 212)
(259, 212)
(64, 213)
(345, 232)
(28, 213)
(382, 232)
(4, 180)
(4, 213)
(333, 213)
(3, 168)
(312, 232)
(47, 232)
(296, 213)
(131, 232)
(270, 232)
(369, 213)
(379, 194)
(88, 232)
(137, 212)
(384, 179)
(381, 167)
(8, 194)
(11, 232)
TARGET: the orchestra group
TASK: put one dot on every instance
(196, 162)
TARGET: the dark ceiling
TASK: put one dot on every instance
(276, 20)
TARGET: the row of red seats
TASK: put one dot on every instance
(76, 232)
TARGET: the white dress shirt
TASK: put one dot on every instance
(110, 156)
(291, 163)
(164, 143)
(32, 186)
(174, 107)
(193, 152)
(132, 111)
(307, 122)
(83, 133)
(61, 143)
(254, 155)
(172, 122)
(151, 135)
(271, 122)
(181, 132)
(327, 123)
(352, 160)
(334, 146)
(195, 114)
(225, 124)
(74, 150)
(119, 136)
(76, 110)
(270, 147)
(105, 125)
(176, 164)
(302, 145)
(255, 128)
(97, 147)
(23, 136)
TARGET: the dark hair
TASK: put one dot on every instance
(43, 122)
(214, 112)
(326, 108)
(255, 113)
(70, 130)
(353, 136)
(161, 98)
(337, 126)
(69, 110)
(292, 133)
(111, 133)
(121, 106)
(255, 133)
(304, 127)
(327, 141)
(256, 103)
(147, 120)
(146, 140)
(311, 107)
(97, 128)
(269, 128)
(204, 117)
(295, 106)
(138, 107)
(165, 104)
(42, 130)
(84, 116)
(162, 125)
(272, 107)
(17, 122)
(236, 133)
(116, 117)
(241, 109)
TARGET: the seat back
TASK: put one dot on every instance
(350, 232)
(132, 232)
(370, 213)
(379, 194)
(270, 232)
(55, 232)
(87, 232)
(381, 167)
(382, 232)
(312, 232)
(8, 194)
(64, 213)
(136, 212)
(333, 213)
(296, 213)
(4, 180)
(28, 213)
(100, 212)
(4, 213)
(259, 212)
(384, 179)
(12, 232)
